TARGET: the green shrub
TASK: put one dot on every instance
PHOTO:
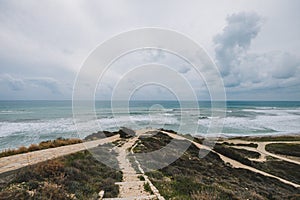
(232, 153)
(142, 178)
(253, 145)
(148, 188)
(284, 148)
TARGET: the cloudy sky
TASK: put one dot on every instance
(255, 45)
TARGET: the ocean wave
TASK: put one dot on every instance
(14, 112)
(274, 112)
(37, 128)
(238, 121)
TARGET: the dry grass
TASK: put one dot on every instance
(43, 145)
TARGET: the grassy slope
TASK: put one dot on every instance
(209, 178)
(283, 169)
(78, 176)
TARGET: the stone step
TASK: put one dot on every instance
(130, 183)
(149, 197)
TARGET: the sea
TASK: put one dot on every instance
(25, 122)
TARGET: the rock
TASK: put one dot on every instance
(101, 194)
(126, 132)
(100, 135)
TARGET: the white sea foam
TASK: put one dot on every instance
(266, 121)
(12, 112)
(66, 125)
(37, 127)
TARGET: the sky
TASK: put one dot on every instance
(254, 44)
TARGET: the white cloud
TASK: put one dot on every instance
(243, 71)
(235, 40)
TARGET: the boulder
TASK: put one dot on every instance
(126, 132)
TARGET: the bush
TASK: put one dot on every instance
(51, 191)
(148, 188)
(33, 147)
(232, 153)
(142, 178)
(246, 153)
(253, 145)
(32, 184)
(14, 194)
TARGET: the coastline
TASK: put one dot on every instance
(24, 123)
(270, 135)
(231, 155)
(109, 133)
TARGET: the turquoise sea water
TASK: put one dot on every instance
(26, 122)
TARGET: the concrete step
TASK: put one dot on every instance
(130, 183)
(149, 197)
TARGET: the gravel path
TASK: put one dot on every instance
(261, 148)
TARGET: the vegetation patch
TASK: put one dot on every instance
(148, 188)
(191, 177)
(153, 143)
(233, 153)
(253, 145)
(76, 176)
(119, 142)
(141, 177)
(271, 138)
(42, 145)
(100, 135)
(284, 149)
(282, 169)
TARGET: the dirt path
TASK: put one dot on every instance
(261, 148)
(232, 162)
(14, 162)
